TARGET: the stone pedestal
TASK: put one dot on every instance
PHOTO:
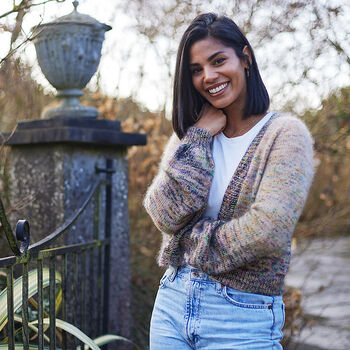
(53, 165)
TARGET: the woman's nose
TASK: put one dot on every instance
(210, 74)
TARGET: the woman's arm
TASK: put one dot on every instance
(182, 184)
(265, 230)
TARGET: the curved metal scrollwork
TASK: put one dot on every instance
(23, 235)
(19, 244)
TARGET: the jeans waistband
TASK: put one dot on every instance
(193, 274)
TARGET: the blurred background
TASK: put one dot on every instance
(303, 52)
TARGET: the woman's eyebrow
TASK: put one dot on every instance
(209, 58)
(214, 55)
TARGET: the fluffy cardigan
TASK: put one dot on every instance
(248, 246)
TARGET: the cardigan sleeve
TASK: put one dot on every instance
(181, 187)
(265, 229)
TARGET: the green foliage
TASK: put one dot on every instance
(60, 324)
(32, 290)
(108, 338)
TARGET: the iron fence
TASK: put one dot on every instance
(49, 287)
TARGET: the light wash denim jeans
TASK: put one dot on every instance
(192, 311)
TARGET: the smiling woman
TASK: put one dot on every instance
(219, 77)
(231, 186)
(209, 56)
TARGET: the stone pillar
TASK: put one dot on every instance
(53, 165)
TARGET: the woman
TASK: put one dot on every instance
(231, 186)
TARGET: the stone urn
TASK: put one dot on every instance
(69, 51)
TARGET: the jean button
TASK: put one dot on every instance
(269, 307)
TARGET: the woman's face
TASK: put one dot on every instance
(218, 74)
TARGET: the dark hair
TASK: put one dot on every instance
(187, 102)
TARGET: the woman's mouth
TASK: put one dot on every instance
(217, 89)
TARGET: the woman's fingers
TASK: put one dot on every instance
(211, 119)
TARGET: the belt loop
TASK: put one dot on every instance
(218, 287)
(173, 273)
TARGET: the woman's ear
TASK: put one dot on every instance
(248, 55)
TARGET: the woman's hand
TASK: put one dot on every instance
(211, 119)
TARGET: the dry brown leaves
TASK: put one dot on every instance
(292, 299)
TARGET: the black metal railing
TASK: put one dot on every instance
(54, 284)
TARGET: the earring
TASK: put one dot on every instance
(247, 72)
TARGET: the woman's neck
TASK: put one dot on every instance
(237, 126)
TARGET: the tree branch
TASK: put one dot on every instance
(25, 41)
(339, 49)
(26, 7)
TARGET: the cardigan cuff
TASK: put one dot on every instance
(198, 136)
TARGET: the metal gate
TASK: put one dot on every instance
(53, 292)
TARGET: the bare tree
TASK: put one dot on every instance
(17, 33)
(305, 43)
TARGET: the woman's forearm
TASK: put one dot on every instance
(182, 184)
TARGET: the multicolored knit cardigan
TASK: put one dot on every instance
(248, 246)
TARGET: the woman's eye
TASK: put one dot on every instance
(219, 61)
(195, 70)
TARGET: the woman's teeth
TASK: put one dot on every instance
(217, 89)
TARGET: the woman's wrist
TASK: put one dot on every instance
(198, 135)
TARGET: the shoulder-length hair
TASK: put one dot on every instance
(187, 102)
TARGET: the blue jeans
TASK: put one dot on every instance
(192, 311)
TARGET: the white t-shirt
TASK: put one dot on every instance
(227, 154)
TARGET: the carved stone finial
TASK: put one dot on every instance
(76, 39)
(75, 4)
